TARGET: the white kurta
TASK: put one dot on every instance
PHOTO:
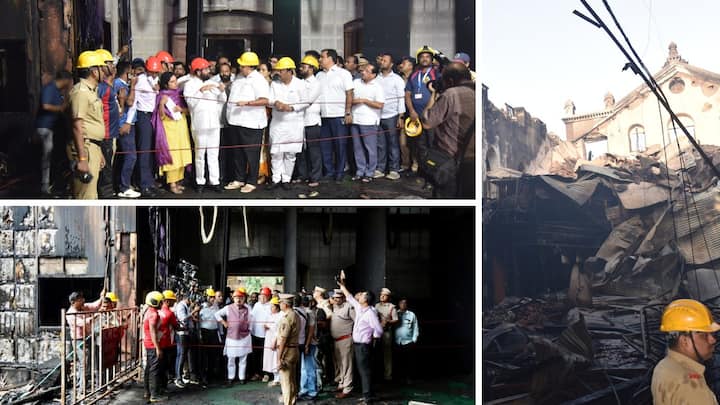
(270, 355)
(287, 128)
(235, 347)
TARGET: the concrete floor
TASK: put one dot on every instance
(446, 392)
(409, 186)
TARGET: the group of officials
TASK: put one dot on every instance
(301, 343)
(138, 124)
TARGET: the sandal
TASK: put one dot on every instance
(175, 189)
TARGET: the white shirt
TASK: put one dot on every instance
(216, 78)
(207, 317)
(249, 88)
(261, 316)
(205, 106)
(363, 114)
(286, 127)
(145, 93)
(333, 85)
(311, 95)
(394, 87)
(182, 80)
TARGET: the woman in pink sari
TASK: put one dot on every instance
(172, 139)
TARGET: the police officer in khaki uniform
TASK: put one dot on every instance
(88, 126)
(679, 378)
(388, 319)
(288, 333)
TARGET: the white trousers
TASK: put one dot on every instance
(242, 365)
(283, 164)
(207, 142)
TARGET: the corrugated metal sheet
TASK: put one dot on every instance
(642, 195)
(606, 172)
(696, 224)
(579, 191)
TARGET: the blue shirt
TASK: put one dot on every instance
(407, 330)
(417, 84)
(50, 95)
(111, 110)
(118, 85)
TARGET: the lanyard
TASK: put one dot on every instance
(422, 80)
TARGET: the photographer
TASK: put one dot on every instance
(450, 163)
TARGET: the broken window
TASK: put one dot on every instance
(674, 131)
(637, 139)
(53, 293)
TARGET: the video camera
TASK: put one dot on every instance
(186, 283)
(437, 83)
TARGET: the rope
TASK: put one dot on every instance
(206, 238)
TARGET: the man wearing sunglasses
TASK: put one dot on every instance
(679, 377)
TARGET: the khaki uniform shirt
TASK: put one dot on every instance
(387, 312)
(288, 328)
(342, 320)
(677, 379)
(85, 104)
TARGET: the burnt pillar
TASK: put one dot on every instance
(370, 250)
(286, 28)
(194, 46)
(290, 247)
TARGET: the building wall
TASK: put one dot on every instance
(432, 23)
(42, 251)
(149, 27)
(322, 23)
(694, 101)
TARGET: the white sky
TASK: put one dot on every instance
(537, 54)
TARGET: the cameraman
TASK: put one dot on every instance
(451, 114)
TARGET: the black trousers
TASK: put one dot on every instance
(309, 162)
(256, 358)
(225, 156)
(105, 181)
(210, 355)
(152, 373)
(404, 362)
(245, 161)
(364, 366)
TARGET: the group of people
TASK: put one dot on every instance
(136, 124)
(300, 342)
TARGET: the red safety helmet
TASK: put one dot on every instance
(164, 56)
(153, 64)
(199, 64)
(266, 292)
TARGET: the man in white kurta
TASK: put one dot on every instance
(287, 126)
(269, 363)
(205, 99)
(260, 314)
(236, 317)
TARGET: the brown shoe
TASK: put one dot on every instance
(342, 395)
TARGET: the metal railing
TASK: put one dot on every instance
(100, 351)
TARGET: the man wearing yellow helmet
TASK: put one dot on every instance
(88, 126)
(679, 377)
(210, 353)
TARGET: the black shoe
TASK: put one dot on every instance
(242, 382)
(216, 188)
(273, 186)
(199, 188)
(227, 383)
(148, 192)
(285, 186)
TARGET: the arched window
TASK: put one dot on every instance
(673, 130)
(637, 139)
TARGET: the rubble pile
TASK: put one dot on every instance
(642, 231)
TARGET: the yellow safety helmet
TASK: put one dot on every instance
(248, 59)
(105, 55)
(154, 299)
(425, 49)
(89, 59)
(413, 127)
(113, 297)
(285, 63)
(169, 295)
(275, 301)
(240, 292)
(310, 60)
(687, 315)
(210, 292)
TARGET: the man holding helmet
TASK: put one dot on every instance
(88, 126)
(679, 378)
(418, 96)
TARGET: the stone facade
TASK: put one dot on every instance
(633, 124)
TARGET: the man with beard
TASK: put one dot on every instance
(88, 127)
(225, 77)
(236, 317)
(205, 99)
(309, 161)
(417, 98)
